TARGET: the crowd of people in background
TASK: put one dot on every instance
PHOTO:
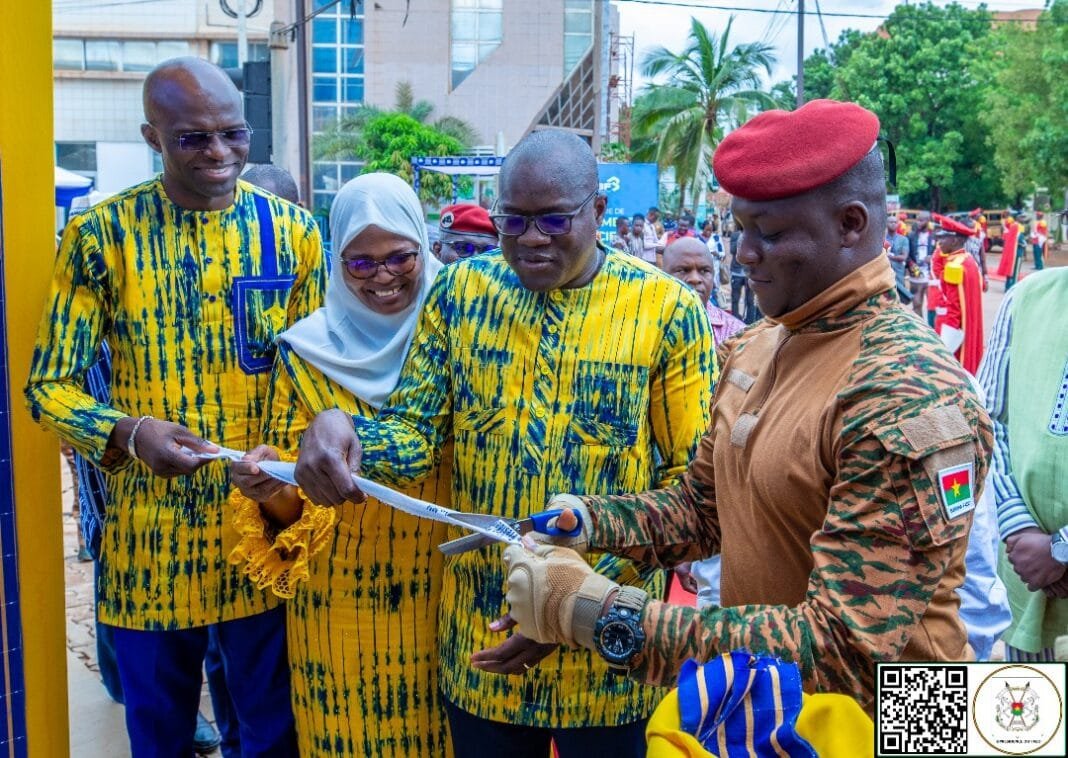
(804, 452)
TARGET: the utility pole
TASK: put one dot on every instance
(800, 53)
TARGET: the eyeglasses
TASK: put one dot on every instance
(552, 224)
(467, 249)
(397, 264)
(196, 141)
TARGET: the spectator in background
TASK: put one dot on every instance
(645, 231)
(626, 239)
(653, 219)
(683, 228)
(897, 250)
(466, 231)
(275, 180)
(711, 236)
(921, 245)
(743, 303)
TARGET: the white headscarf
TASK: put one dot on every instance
(353, 345)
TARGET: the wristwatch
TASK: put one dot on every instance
(618, 635)
(1058, 546)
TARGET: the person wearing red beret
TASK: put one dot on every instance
(466, 230)
(846, 452)
(960, 319)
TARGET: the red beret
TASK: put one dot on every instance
(784, 153)
(946, 225)
(467, 218)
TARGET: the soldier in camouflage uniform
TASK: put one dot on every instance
(842, 464)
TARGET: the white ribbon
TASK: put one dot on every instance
(496, 528)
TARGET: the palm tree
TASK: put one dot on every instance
(709, 85)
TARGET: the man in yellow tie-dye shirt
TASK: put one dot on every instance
(188, 276)
(552, 364)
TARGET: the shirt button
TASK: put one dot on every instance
(207, 260)
(556, 295)
(211, 299)
(537, 412)
(553, 329)
(205, 218)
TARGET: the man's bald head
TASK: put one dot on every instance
(196, 122)
(561, 158)
(688, 260)
(686, 246)
(178, 84)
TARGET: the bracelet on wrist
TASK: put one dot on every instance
(131, 441)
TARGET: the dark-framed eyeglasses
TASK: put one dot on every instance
(468, 249)
(239, 136)
(364, 267)
(552, 224)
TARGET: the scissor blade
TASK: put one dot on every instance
(465, 544)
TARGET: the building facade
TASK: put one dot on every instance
(504, 67)
(100, 56)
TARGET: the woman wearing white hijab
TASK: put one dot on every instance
(362, 596)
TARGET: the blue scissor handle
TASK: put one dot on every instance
(540, 523)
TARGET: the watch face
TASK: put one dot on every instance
(617, 642)
(1060, 551)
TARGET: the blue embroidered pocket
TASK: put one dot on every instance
(1058, 421)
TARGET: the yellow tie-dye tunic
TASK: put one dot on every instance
(599, 389)
(362, 630)
(190, 308)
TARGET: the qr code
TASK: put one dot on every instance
(922, 710)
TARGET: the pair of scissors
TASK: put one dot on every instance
(543, 523)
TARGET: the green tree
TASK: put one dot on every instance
(708, 86)
(1027, 106)
(922, 74)
(387, 140)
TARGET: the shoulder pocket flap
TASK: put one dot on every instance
(933, 430)
(740, 379)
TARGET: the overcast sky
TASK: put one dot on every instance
(660, 23)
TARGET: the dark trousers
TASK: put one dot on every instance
(161, 680)
(1037, 250)
(474, 737)
(225, 718)
(740, 287)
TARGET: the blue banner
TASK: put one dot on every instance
(630, 188)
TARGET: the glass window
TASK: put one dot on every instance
(171, 49)
(476, 27)
(324, 176)
(324, 89)
(324, 30)
(76, 156)
(324, 60)
(224, 54)
(349, 171)
(102, 55)
(353, 90)
(580, 22)
(138, 55)
(68, 54)
(351, 60)
(574, 48)
(352, 31)
(323, 117)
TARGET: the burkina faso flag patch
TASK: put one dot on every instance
(957, 486)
